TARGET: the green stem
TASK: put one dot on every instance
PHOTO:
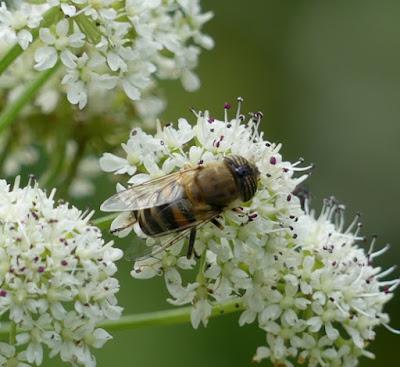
(49, 179)
(166, 317)
(8, 142)
(73, 168)
(9, 57)
(12, 331)
(202, 267)
(9, 114)
(50, 17)
(88, 27)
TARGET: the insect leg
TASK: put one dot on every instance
(125, 223)
(116, 230)
(217, 224)
(192, 239)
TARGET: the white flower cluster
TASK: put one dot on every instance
(306, 283)
(108, 44)
(318, 296)
(56, 278)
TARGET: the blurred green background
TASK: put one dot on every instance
(326, 75)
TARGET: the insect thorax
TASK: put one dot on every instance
(214, 185)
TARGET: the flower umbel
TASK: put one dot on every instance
(55, 278)
(325, 299)
(233, 250)
(109, 44)
(304, 280)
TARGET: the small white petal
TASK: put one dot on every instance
(68, 10)
(68, 59)
(45, 57)
(46, 36)
(261, 353)
(24, 38)
(110, 163)
(131, 91)
(62, 27)
(190, 81)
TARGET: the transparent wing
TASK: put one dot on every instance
(160, 191)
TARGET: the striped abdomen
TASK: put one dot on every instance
(172, 217)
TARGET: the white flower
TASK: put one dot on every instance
(60, 41)
(56, 276)
(175, 138)
(9, 358)
(16, 25)
(141, 149)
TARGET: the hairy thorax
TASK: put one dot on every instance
(213, 185)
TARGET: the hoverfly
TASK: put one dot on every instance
(180, 202)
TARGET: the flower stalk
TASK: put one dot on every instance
(88, 27)
(158, 318)
(12, 333)
(73, 167)
(9, 114)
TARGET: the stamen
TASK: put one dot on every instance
(323, 209)
(254, 124)
(301, 179)
(359, 275)
(88, 216)
(52, 194)
(340, 220)
(300, 169)
(277, 230)
(346, 313)
(362, 312)
(394, 286)
(371, 246)
(31, 180)
(359, 226)
(386, 272)
(258, 116)
(239, 106)
(375, 294)
(353, 223)
(195, 113)
(227, 107)
(393, 330)
(300, 161)
(379, 252)
(368, 354)
(388, 282)
(17, 181)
